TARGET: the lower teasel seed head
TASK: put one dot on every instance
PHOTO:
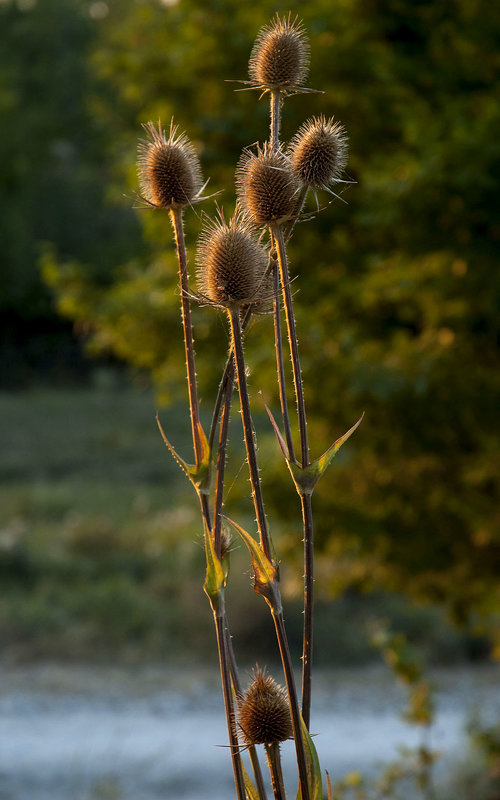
(231, 263)
(267, 187)
(168, 168)
(318, 152)
(264, 713)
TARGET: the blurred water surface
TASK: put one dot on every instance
(70, 733)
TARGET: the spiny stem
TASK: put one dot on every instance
(274, 761)
(230, 662)
(237, 343)
(279, 363)
(308, 632)
(177, 224)
(279, 625)
(293, 342)
(220, 626)
(275, 118)
(221, 462)
(306, 500)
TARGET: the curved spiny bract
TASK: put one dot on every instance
(168, 168)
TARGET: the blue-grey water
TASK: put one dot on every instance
(70, 733)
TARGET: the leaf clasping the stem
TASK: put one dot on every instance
(198, 474)
(306, 478)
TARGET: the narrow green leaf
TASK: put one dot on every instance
(214, 579)
(266, 578)
(250, 788)
(313, 767)
(277, 431)
(306, 478)
(198, 474)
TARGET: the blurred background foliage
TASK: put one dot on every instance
(397, 291)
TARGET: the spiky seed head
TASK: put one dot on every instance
(168, 168)
(318, 152)
(267, 187)
(280, 55)
(231, 263)
(264, 714)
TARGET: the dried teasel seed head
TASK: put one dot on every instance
(267, 187)
(318, 152)
(264, 714)
(168, 168)
(280, 55)
(231, 263)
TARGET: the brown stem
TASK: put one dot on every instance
(280, 365)
(275, 118)
(220, 626)
(274, 761)
(293, 342)
(306, 501)
(294, 705)
(307, 642)
(258, 500)
(177, 224)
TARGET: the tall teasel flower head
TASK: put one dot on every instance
(280, 56)
(168, 168)
(318, 152)
(267, 186)
(264, 713)
(231, 263)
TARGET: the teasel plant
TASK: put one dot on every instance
(242, 269)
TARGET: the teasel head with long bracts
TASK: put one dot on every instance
(318, 153)
(168, 168)
(280, 56)
(264, 713)
(267, 187)
(232, 263)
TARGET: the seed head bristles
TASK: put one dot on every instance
(267, 187)
(318, 153)
(231, 263)
(264, 714)
(168, 168)
(280, 56)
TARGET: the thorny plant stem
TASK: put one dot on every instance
(274, 761)
(221, 462)
(216, 534)
(177, 224)
(280, 367)
(265, 543)
(220, 627)
(258, 500)
(293, 342)
(306, 501)
(275, 118)
(279, 625)
(226, 656)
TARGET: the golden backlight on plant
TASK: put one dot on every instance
(242, 268)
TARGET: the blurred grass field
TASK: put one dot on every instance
(100, 547)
